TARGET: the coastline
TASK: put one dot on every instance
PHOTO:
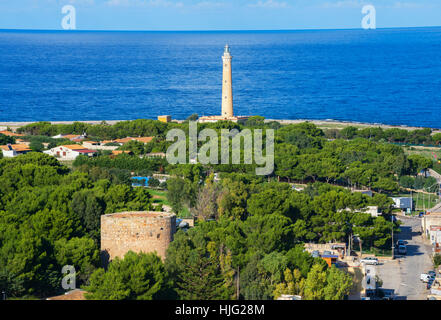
(323, 124)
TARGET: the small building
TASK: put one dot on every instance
(403, 203)
(161, 177)
(165, 119)
(334, 248)
(119, 152)
(99, 145)
(13, 150)
(435, 236)
(330, 259)
(156, 155)
(123, 141)
(11, 134)
(432, 218)
(70, 152)
(374, 211)
(368, 193)
(71, 137)
(21, 141)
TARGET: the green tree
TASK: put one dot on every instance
(338, 285)
(195, 265)
(136, 277)
(82, 253)
(315, 283)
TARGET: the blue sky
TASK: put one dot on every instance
(216, 14)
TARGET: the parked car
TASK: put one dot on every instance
(402, 249)
(369, 260)
(426, 277)
(401, 243)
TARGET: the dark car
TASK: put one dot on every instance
(402, 249)
(401, 243)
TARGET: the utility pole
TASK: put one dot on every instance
(393, 245)
(237, 283)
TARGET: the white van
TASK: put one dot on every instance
(369, 260)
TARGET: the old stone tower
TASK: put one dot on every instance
(136, 231)
(227, 85)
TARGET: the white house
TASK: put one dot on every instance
(13, 150)
(403, 203)
(70, 152)
(373, 211)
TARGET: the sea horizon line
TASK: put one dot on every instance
(208, 30)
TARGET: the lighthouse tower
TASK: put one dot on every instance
(227, 85)
(227, 93)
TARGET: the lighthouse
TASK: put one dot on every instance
(227, 113)
(227, 84)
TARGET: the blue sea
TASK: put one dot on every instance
(389, 76)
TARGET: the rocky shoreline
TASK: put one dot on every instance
(324, 124)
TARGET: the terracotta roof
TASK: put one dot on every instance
(144, 139)
(140, 139)
(76, 294)
(11, 134)
(117, 152)
(73, 147)
(124, 140)
(16, 147)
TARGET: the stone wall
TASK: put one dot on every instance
(136, 231)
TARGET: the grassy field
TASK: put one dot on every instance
(422, 200)
(160, 196)
(424, 151)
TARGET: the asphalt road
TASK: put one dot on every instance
(403, 273)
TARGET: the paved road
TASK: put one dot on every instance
(403, 273)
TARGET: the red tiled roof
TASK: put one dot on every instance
(76, 294)
(11, 134)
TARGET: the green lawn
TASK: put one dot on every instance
(160, 196)
(423, 151)
(422, 200)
